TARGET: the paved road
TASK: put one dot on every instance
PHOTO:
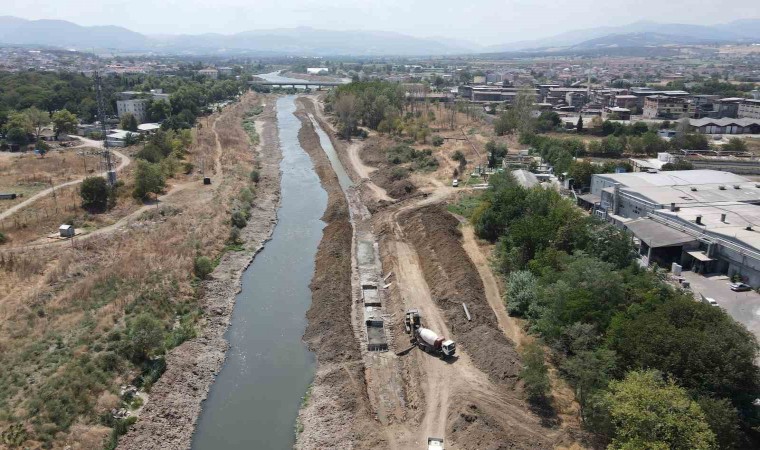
(125, 161)
(744, 307)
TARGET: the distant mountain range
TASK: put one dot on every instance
(313, 42)
(642, 34)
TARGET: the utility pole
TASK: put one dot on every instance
(110, 172)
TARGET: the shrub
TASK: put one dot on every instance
(234, 238)
(255, 176)
(457, 156)
(146, 336)
(3, 238)
(239, 220)
(246, 196)
(437, 141)
(94, 193)
(534, 373)
(148, 180)
(521, 292)
(399, 173)
(202, 267)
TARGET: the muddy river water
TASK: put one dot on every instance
(254, 401)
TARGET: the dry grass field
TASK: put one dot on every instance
(70, 316)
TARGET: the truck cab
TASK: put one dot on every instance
(448, 347)
(435, 443)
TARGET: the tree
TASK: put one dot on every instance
(202, 267)
(579, 125)
(503, 125)
(37, 119)
(346, 110)
(19, 120)
(610, 244)
(535, 373)
(128, 122)
(159, 110)
(735, 145)
(588, 371)
(94, 193)
(148, 180)
(130, 139)
(723, 419)
(146, 336)
(680, 164)
(547, 121)
(64, 122)
(700, 345)
(581, 173)
(649, 412)
(17, 136)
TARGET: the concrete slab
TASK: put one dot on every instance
(376, 341)
(365, 253)
(370, 295)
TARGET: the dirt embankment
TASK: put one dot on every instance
(337, 414)
(168, 420)
(483, 413)
(454, 280)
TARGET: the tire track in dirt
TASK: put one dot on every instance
(455, 400)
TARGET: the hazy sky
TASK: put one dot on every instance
(484, 21)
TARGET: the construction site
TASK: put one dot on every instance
(434, 354)
(406, 322)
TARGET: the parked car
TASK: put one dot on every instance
(711, 301)
(740, 287)
(455, 183)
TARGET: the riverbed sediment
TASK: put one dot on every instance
(337, 414)
(168, 420)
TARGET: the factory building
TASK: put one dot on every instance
(707, 221)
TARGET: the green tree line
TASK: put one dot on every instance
(651, 367)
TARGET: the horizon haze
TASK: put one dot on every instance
(489, 23)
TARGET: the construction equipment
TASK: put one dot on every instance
(411, 320)
(435, 443)
(427, 339)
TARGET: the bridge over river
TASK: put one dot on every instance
(299, 83)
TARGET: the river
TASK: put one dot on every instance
(254, 402)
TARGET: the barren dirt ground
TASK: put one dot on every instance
(456, 399)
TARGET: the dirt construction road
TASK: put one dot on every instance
(473, 401)
(125, 161)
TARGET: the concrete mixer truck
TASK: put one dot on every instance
(425, 338)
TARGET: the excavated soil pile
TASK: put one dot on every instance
(453, 279)
(473, 428)
(338, 412)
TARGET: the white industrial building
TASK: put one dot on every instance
(705, 220)
(136, 103)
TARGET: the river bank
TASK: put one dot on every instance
(337, 412)
(168, 420)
